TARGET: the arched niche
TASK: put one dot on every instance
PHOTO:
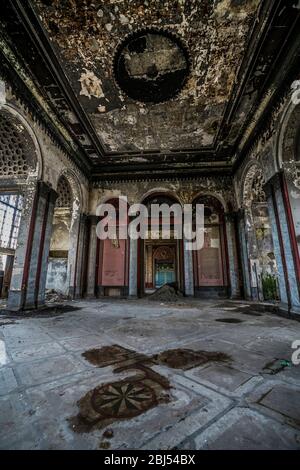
(260, 248)
(57, 276)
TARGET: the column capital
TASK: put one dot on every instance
(43, 189)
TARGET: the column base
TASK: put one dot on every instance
(295, 310)
(78, 296)
(71, 292)
(15, 300)
(90, 296)
(288, 312)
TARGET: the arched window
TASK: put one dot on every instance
(17, 162)
(260, 248)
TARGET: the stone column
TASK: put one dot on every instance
(188, 270)
(29, 260)
(37, 246)
(7, 276)
(92, 251)
(283, 246)
(80, 256)
(133, 267)
(18, 283)
(244, 254)
(72, 255)
(149, 264)
(230, 219)
(40, 293)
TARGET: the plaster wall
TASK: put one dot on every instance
(57, 275)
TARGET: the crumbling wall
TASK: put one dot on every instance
(184, 190)
(60, 239)
(57, 275)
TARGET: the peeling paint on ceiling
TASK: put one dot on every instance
(87, 33)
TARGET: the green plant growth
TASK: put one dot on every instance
(269, 286)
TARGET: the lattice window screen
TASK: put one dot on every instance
(64, 193)
(12, 153)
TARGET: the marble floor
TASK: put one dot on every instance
(136, 374)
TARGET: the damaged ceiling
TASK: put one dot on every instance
(86, 35)
(141, 87)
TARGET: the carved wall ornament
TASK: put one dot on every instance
(115, 242)
(186, 196)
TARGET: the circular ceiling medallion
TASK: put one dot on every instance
(151, 66)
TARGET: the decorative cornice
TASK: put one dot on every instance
(223, 181)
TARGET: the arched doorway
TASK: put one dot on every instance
(210, 261)
(58, 272)
(160, 259)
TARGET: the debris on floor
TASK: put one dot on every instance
(52, 296)
(166, 293)
(45, 311)
(276, 366)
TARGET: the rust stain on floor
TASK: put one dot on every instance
(130, 397)
(123, 399)
(187, 358)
